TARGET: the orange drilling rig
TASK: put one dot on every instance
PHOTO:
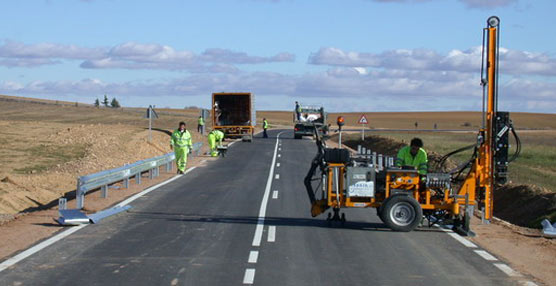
(403, 196)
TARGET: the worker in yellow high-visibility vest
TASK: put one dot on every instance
(265, 127)
(413, 155)
(201, 124)
(213, 137)
(181, 143)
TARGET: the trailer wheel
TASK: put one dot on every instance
(402, 213)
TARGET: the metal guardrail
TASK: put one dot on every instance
(104, 178)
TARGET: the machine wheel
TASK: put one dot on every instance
(380, 213)
(402, 213)
(297, 136)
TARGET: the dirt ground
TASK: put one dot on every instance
(425, 120)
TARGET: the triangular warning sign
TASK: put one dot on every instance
(363, 119)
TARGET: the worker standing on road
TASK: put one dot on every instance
(413, 155)
(181, 143)
(297, 111)
(215, 135)
(201, 125)
(265, 127)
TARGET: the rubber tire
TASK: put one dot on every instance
(379, 212)
(408, 202)
(297, 136)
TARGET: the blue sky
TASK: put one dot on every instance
(352, 55)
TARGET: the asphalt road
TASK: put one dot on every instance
(236, 221)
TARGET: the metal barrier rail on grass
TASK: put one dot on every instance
(105, 178)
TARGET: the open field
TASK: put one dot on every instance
(45, 146)
(425, 120)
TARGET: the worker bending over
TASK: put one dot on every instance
(215, 135)
(181, 143)
(413, 155)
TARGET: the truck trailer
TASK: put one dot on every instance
(234, 114)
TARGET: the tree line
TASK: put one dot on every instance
(114, 103)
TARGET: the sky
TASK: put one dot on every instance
(350, 55)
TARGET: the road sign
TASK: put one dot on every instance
(363, 119)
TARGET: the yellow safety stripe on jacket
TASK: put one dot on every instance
(181, 139)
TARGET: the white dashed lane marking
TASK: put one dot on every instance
(277, 176)
(271, 233)
(253, 256)
(485, 255)
(462, 240)
(277, 164)
(275, 194)
(507, 269)
(249, 276)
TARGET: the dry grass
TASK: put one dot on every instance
(535, 165)
(425, 120)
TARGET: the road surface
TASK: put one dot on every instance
(245, 219)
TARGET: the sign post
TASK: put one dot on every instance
(340, 122)
(150, 114)
(363, 121)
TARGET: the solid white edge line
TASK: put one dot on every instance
(277, 176)
(249, 276)
(262, 211)
(271, 233)
(507, 269)
(462, 240)
(253, 256)
(38, 247)
(275, 194)
(34, 249)
(486, 255)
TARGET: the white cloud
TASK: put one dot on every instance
(483, 4)
(130, 55)
(511, 61)
(390, 89)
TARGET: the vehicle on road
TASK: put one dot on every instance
(310, 118)
(234, 114)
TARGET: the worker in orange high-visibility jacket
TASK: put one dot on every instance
(413, 155)
(181, 143)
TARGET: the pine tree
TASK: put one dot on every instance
(105, 101)
(97, 103)
(115, 103)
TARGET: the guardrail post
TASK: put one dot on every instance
(104, 191)
(126, 183)
(62, 204)
(79, 196)
(138, 178)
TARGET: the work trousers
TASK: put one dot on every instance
(212, 145)
(181, 157)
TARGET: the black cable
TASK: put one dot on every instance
(517, 145)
